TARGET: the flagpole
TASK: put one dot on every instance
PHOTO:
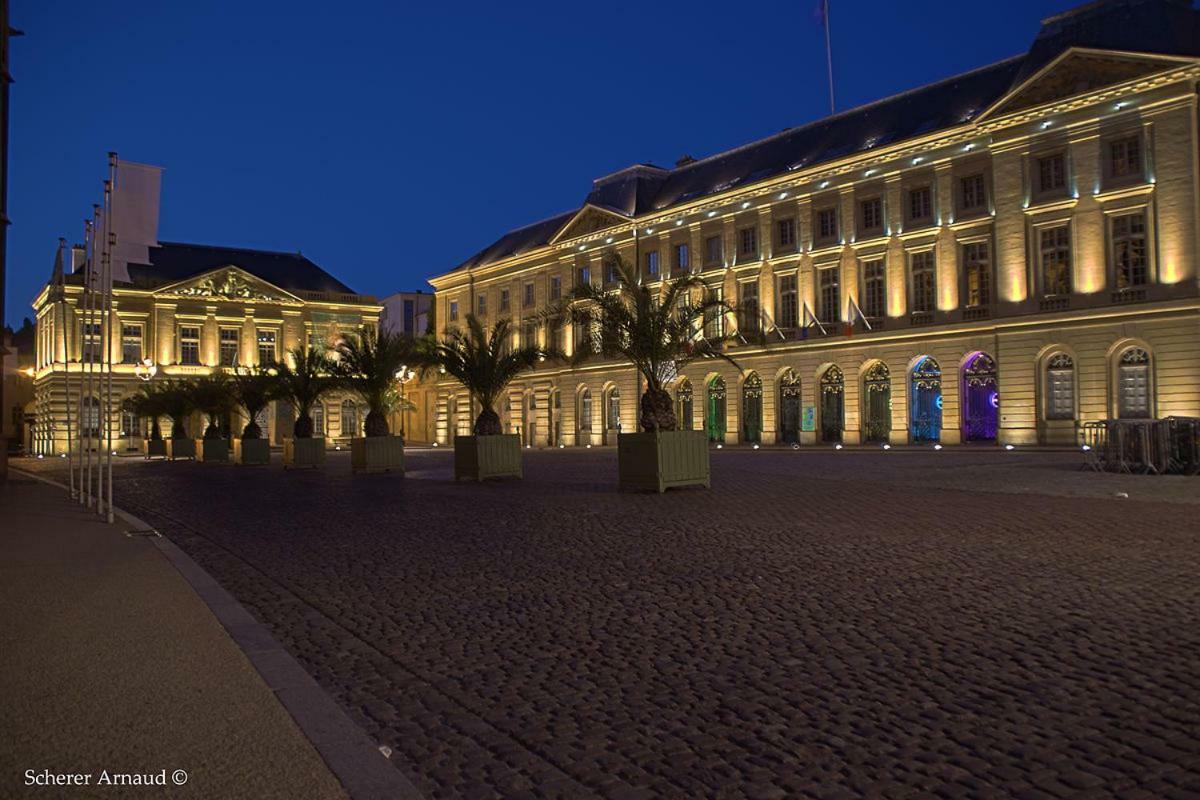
(89, 352)
(81, 309)
(105, 328)
(112, 243)
(60, 281)
(829, 56)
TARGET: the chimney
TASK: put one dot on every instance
(684, 161)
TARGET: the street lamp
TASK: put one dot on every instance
(403, 375)
(145, 369)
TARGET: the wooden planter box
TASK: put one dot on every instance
(212, 451)
(154, 448)
(304, 453)
(251, 451)
(181, 448)
(482, 457)
(662, 460)
(377, 454)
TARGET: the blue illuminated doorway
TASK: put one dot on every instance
(925, 407)
(981, 399)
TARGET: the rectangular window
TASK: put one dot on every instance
(410, 316)
(827, 227)
(1130, 266)
(785, 235)
(481, 305)
(1055, 260)
(611, 274)
(977, 273)
(555, 288)
(748, 316)
(453, 310)
(652, 265)
(131, 344)
(871, 211)
(789, 308)
(714, 251)
(267, 354)
(230, 341)
(1125, 157)
(972, 194)
(557, 335)
(189, 345)
(93, 350)
(1052, 173)
(584, 276)
(679, 262)
(529, 335)
(920, 204)
(1060, 388)
(504, 301)
(924, 283)
(874, 289)
(527, 300)
(829, 296)
(714, 319)
(748, 242)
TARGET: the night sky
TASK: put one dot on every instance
(389, 141)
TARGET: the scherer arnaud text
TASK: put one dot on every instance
(45, 777)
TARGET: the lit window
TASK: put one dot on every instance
(873, 289)
(267, 354)
(652, 265)
(789, 308)
(680, 261)
(829, 297)
(1055, 259)
(92, 347)
(924, 282)
(555, 289)
(748, 317)
(481, 305)
(714, 318)
(229, 347)
(504, 306)
(1129, 250)
(131, 344)
(189, 345)
(977, 273)
(453, 310)
(714, 251)
(584, 275)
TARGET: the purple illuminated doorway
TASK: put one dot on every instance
(981, 399)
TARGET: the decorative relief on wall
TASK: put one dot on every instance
(229, 285)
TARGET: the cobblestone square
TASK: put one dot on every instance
(819, 624)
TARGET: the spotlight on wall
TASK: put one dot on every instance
(649, 231)
(678, 222)
(608, 240)
(528, 447)
(783, 195)
(712, 213)
(582, 247)
(746, 204)
(823, 184)
(1046, 124)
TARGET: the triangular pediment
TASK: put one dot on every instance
(227, 283)
(1077, 72)
(589, 220)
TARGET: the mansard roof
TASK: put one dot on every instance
(171, 262)
(1162, 27)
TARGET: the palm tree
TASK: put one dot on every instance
(484, 362)
(252, 391)
(302, 384)
(148, 402)
(371, 366)
(214, 396)
(658, 333)
(177, 402)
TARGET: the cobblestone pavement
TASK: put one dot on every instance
(826, 625)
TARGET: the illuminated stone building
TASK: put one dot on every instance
(1001, 257)
(192, 309)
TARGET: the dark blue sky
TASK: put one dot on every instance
(388, 141)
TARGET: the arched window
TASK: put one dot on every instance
(318, 418)
(585, 411)
(925, 408)
(877, 403)
(349, 418)
(613, 410)
(833, 392)
(714, 418)
(131, 423)
(89, 420)
(981, 399)
(789, 407)
(683, 405)
(752, 408)
(1133, 384)
(1060, 387)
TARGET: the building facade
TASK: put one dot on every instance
(999, 257)
(191, 310)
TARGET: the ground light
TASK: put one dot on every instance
(561, 446)
(337, 447)
(589, 447)
(1009, 447)
(795, 446)
(937, 447)
(755, 447)
(886, 446)
(40, 456)
(719, 445)
(837, 447)
(1086, 448)
(435, 444)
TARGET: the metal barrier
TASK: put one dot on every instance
(1150, 447)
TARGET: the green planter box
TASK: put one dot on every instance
(661, 460)
(377, 454)
(482, 457)
(304, 453)
(251, 451)
(154, 448)
(212, 451)
(181, 448)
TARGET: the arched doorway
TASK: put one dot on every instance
(789, 407)
(714, 417)
(554, 409)
(926, 402)
(683, 405)
(1133, 385)
(981, 399)
(584, 416)
(877, 403)
(752, 409)
(833, 407)
(612, 415)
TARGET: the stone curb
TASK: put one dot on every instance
(349, 753)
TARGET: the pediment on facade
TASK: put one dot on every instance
(1077, 72)
(228, 283)
(589, 220)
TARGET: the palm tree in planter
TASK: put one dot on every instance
(251, 389)
(485, 363)
(302, 383)
(371, 365)
(214, 397)
(178, 402)
(658, 332)
(148, 402)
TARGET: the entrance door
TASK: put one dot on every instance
(926, 392)
(981, 399)
(833, 393)
(752, 409)
(683, 406)
(789, 408)
(612, 416)
(714, 419)
(877, 387)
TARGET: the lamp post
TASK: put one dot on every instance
(403, 375)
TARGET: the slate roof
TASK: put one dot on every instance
(174, 261)
(1165, 27)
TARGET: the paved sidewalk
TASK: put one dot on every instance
(110, 661)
